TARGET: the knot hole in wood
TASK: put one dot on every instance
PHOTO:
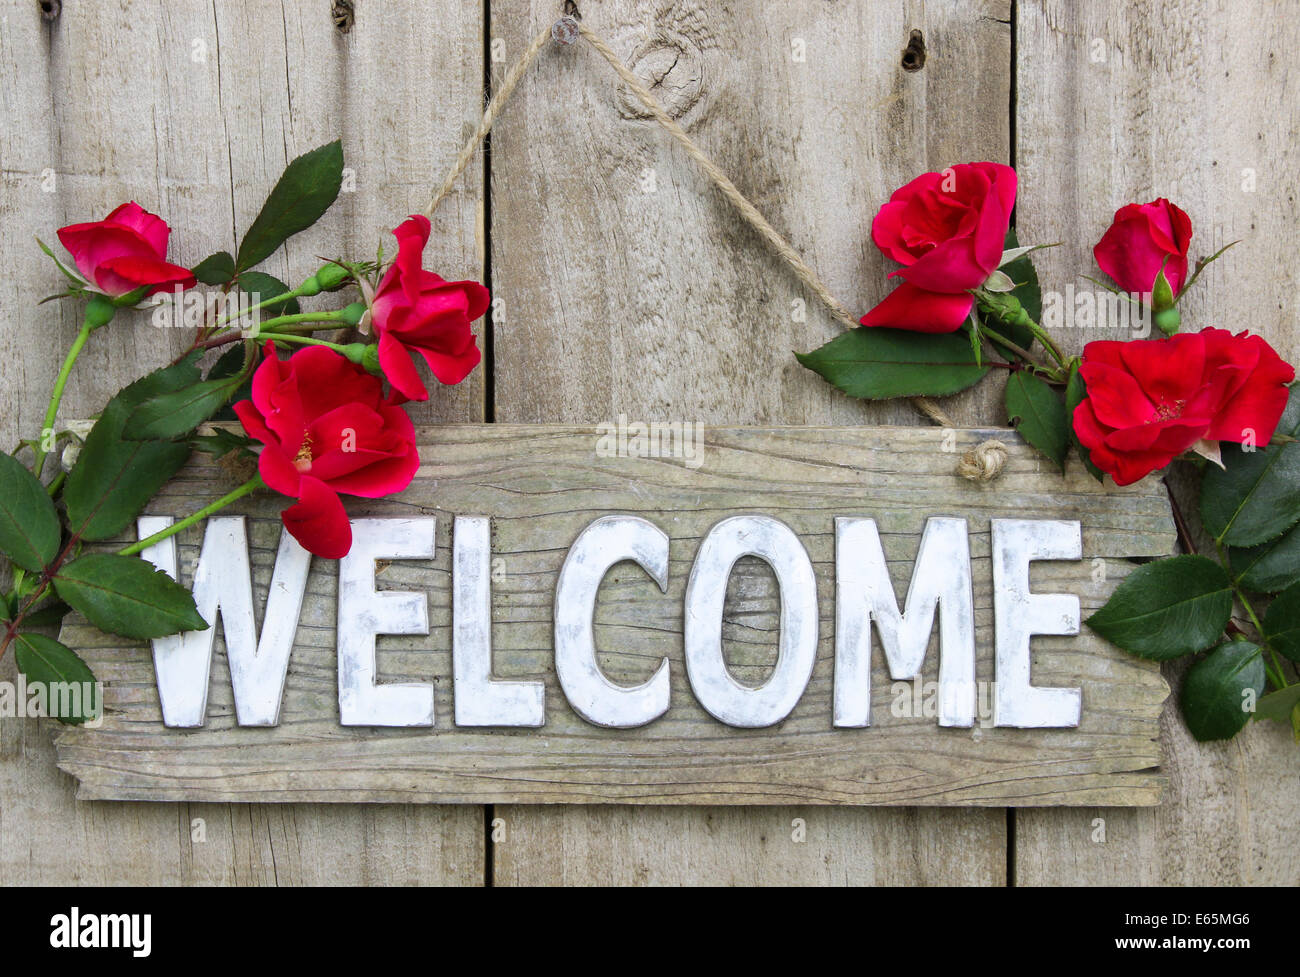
(914, 53)
(672, 67)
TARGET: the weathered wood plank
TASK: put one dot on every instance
(664, 306)
(745, 846)
(193, 108)
(1190, 101)
(541, 486)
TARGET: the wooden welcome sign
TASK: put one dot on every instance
(570, 614)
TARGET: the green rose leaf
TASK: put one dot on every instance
(1076, 392)
(1027, 290)
(1256, 496)
(309, 186)
(879, 364)
(1168, 608)
(1038, 413)
(1271, 566)
(262, 286)
(114, 479)
(49, 616)
(1220, 690)
(67, 680)
(178, 413)
(215, 269)
(125, 595)
(228, 363)
(1282, 623)
(1280, 705)
(29, 526)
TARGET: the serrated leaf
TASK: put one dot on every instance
(879, 364)
(1282, 623)
(179, 412)
(1279, 705)
(1038, 413)
(29, 526)
(1168, 608)
(263, 286)
(113, 478)
(126, 595)
(1027, 290)
(1076, 392)
(1214, 699)
(215, 269)
(228, 363)
(308, 187)
(48, 616)
(57, 668)
(1269, 567)
(1256, 497)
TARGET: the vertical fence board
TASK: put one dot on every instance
(1121, 102)
(193, 109)
(628, 285)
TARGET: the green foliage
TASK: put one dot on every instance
(1168, 608)
(29, 526)
(1222, 689)
(114, 476)
(1038, 413)
(127, 596)
(215, 269)
(878, 364)
(1255, 497)
(309, 186)
(53, 665)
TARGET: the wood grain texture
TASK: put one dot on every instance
(192, 109)
(665, 306)
(1188, 100)
(541, 485)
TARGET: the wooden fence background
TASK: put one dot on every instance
(658, 304)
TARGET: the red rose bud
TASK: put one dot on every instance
(327, 428)
(125, 252)
(1152, 399)
(1143, 239)
(947, 229)
(415, 311)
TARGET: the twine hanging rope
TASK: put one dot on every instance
(566, 31)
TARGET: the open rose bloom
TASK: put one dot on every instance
(327, 429)
(1151, 400)
(124, 252)
(947, 229)
(416, 311)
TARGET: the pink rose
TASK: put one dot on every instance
(415, 311)
(947, 229)
(1141, 239)
(124, 252)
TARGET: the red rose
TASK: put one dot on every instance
(1152, 399)
(1142, 238)
(327, 429)
(125, 251)
(948, 230)
(415, 311)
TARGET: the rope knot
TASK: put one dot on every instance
(984, 462)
